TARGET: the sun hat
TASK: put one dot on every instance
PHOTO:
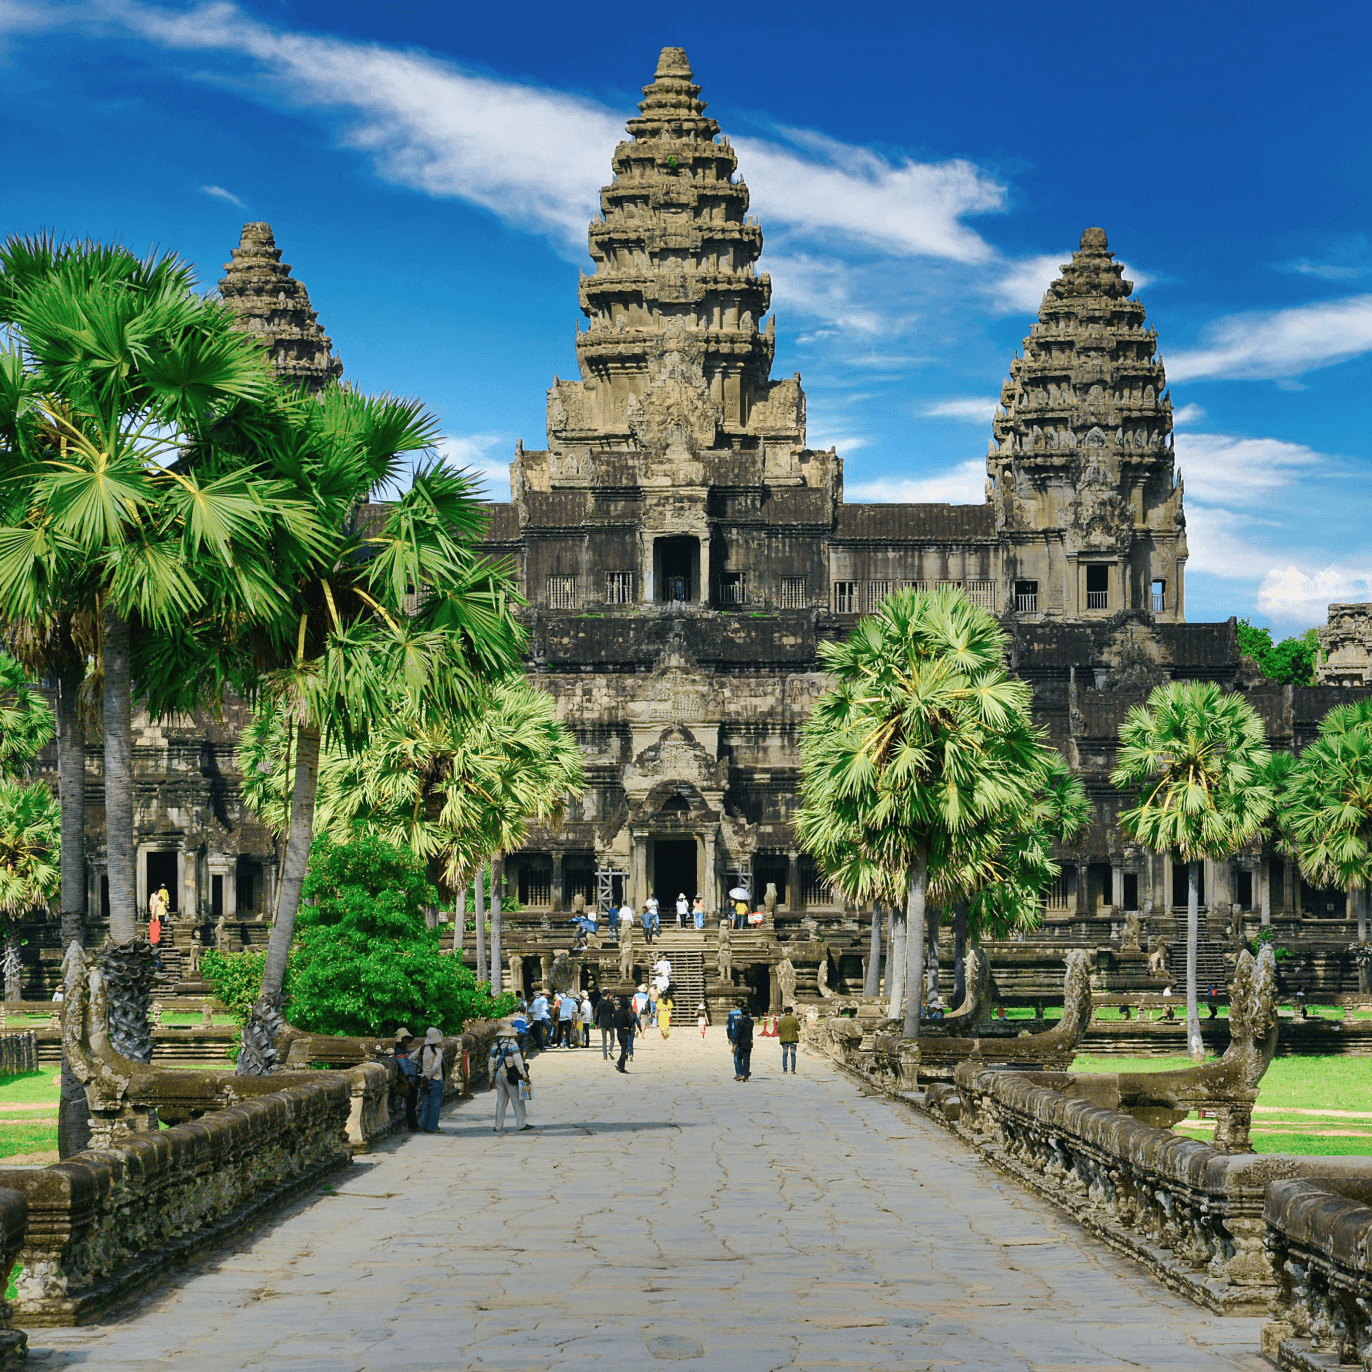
(506, 1029)
(433, 1035)
(403, 1033)
(642, 988)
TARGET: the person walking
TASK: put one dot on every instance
(743, 1047)
(702, 1017)
(650, 919)
(788, 1031)
(664, 1016)
(740, 914)
(587, 1015)
(653, 997)
(698, 912)
(508, 1072)
(155, 933)
(409, 1073)
(625, 1023)
(626, 920)
(683, 908)
(605, 1022)
(430, 1080)
(731, 1031)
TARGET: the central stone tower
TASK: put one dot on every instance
(675, 396)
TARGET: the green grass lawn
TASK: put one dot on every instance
(27, 1131)
(1337, 1091)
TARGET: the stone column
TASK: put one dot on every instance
(1263, 876)
(1117, 886)
(794, 901)
(639, 868)
(711, 891)
(555, 902)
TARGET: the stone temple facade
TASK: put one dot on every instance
(684, 552)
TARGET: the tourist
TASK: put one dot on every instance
(567, 1011)
(625, 1022)
(650, 920)
(788, 1031)
(664, 1016)
(430, 1080)
(654, 995)
(587, 1015)
(508, 1072)
(409, 1073)
(605, 1022)
(626, 921)
(698, 912)
(164, 899)
(743, 1047)
(740, 914)
(683, 908)
(155, 934)
(538, 1013)
(702, 1017)
(1212, 999)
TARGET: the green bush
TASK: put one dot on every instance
(1291, 662)
(366, 961)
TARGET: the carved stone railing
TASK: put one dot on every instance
(1319, 1240)
(18, 1052)
(1190, 1212)
(107, 1222)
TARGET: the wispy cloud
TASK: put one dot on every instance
(219, 193)
(1187, 415)
(1281, 343)
(536, 157)
(964, 484)
(1327, 270)
(821, 288)
(975, 410)
(475, 453)
(1020, 288)
(1224, 470)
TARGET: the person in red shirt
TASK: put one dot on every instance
(155, 937)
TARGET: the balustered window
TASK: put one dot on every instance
(982, 593)
(619, 588)
(562, 593)
(793, 596)
(846, 597)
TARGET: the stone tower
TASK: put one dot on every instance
(675, 396)
(275, 308)
(1080, 468)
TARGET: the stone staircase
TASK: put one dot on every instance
(686, 950)
(1210, 968)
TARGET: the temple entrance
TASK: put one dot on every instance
(676, 568)
(674, 871)
(162, 872)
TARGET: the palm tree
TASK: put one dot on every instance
(116, 504)
(1194, 757)
(459, 786)
(1327, 807)
(30, 837)
(403, 602)
(922, 738)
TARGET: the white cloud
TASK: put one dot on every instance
(820, 288)
(1226, 543)
(1282, 343)
(1327, 270)
(974, 410)
(536, 157)
(219, 193)
(1303, 595)
(1186, 415)
(964, 484)
(1225, 470)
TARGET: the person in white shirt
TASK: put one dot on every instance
(626, 919)
(585, 1018)
(538, 1012)
(650, 905)
(568, 1012)
(683, 908)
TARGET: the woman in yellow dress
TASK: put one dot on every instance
(664, 1016)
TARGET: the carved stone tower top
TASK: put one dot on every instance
(275, 308)
(1080, 461)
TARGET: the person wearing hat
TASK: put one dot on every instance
(431, 1080)
(409, 1076)
(508, 1072)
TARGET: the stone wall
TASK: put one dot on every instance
(19, 1052)
(105, 1223)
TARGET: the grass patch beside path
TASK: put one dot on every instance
(32, 1088)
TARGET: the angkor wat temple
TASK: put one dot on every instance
(684, 553)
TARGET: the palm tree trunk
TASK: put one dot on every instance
(497, 891)
(895, 966)
(73, 1111)
(872, 986)
(257, 1056)
(914, 943)
(459, 921)
(1359, 898)
(126, 960)
(935, 920)
(1194, 1044)
(479, 900)
(960, 953)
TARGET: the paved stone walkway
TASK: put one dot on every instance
(663, 1218)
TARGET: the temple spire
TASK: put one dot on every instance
(275, 308)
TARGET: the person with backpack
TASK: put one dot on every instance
(430, 1080)
(584, 1018)
(788, 1031)
(409, 1076)
(625, 1024)
(743, 1047)
(605, 1022)
(509, 1073)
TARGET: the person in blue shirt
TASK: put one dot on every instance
(409, 1069)
(538, 1012)
(736, 1015)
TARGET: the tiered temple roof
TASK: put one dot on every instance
(275, 308)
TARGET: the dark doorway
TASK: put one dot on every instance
(1243, 890)
(162, 872)
(772, 869)
(216, 897)
(1180, 887)
(249, 885)
(674, 870)
(676, 573)
(1131, 890)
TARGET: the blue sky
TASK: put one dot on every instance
(919, 172)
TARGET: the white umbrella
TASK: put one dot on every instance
(738, 893)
